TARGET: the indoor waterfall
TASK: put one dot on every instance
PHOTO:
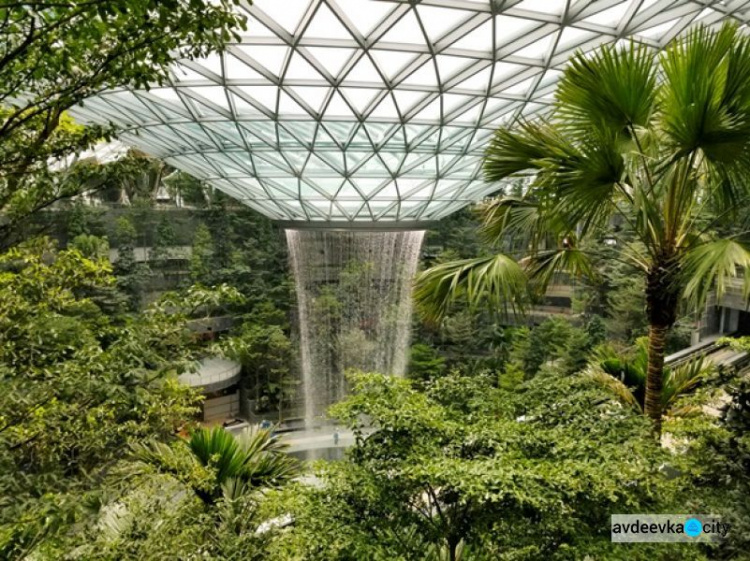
(354, 306)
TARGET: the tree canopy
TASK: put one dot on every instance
(654, 144)
(54, 55)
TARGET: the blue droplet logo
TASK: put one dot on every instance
(693, 527)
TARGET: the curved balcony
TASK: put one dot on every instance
(213, 374)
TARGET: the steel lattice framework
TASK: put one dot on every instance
(375, 110)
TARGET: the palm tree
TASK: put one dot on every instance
(254, 459)
(626, 376)
(659, 142)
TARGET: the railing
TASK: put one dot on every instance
(205, 376)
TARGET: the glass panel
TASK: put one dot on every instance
(325, 25)
(333, 107)
(332, 59)
(287, 13)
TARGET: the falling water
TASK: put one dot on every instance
(354, 305)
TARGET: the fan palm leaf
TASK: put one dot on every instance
(499, 281)
(653, 138)
(254, 459)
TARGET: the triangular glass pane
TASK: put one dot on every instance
(338, 107)
(478, 82)
(182, 73)
(360, 98)
(385, 109)
(287, 13)
(538, 49)
(363, 71)
(431, 112)
(521, 88)
(657, 32)
(325, 25)
(288, 106)
(422, 194)
(361, 140)
(610, 17)
(259, 29)
(265, 95)
(413, 131)
(334, 158)
(330, 187)
(287, 140)
(406, 30)
(355, 158)
(391, 63)
(169, 94)
(211, 62)
(407, 99)
(407, 186)
(300, 69)
(366, 14)
(506, 70)
(572, 37)
(312, 95)
(303, 130)
(340, 131)
(373, 168)
(449, 66)
(386, 192)
(549, 7)
(471, 115)
(214, 94)
(508, 28)
(202, 109)
(424, 76)
(347, 191)
(323, 139)
(479, 39)
(332, 59)
(453, 102)
(270, 57)
(392, 161)
(438, 21)
(316, 165)
(238, 70)
(367, 185)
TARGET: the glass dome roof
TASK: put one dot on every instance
(374, 110)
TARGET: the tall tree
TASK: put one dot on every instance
(654, 139)
(76, 387)
(54, 55)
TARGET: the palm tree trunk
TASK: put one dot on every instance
(657, 339)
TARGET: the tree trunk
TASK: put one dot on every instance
(657, 338)
(452, 546)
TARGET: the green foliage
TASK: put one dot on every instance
(131, 275)
(200, 259)
(215, 464)
(627, 375)
(190, 190)
(91, 247)
(425, 364)
(267, 358)
(77, 386)
(83, 219)
(164, 242)
(243, 249)
(55, 55)
(466, 466)
(622, 150)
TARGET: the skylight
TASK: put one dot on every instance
(373, 110)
